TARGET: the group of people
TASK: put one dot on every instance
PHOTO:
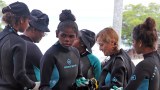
(69, 63)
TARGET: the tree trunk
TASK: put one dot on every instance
(117, 18)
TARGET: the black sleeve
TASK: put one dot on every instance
(118, 73)
(46, 66)
(34, 54)
(19, 56)
(102, 77)
(139, 74)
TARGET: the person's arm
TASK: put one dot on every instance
(96, 65)
(34, 54)
(102, 78)
(118, 73)
(19, 56)
(137, 77)
(46, 67)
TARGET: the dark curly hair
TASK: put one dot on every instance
(146, 32)
(67, 19)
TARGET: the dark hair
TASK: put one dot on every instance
(14, 12)
(11, 19)
(67, 19)
(146, 32)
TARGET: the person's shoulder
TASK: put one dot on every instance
(15, 39)
(52, 50)
(31, 45)
(144, 64)
(93, 56)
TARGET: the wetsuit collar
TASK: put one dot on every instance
(84, 53)
(65, 49)
(115, 54)
(10, 29)
(26, 38)
(149, 54)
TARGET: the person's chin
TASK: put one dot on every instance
(67, 45)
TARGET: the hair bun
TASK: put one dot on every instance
(66, 15)
(149, 24)
(6, 9)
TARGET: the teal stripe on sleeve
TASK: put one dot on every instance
(95, 64)
(37, 73)
(54, 77)
(144, 85)
(108, 79)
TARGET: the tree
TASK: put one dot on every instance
(2, 4)
(136, 14)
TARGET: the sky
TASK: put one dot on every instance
(90, 14)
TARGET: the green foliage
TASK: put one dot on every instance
(2, 4)
(136, 14)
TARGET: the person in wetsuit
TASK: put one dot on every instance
(90, 64)
(147, 73)
(119, 68)
(34, 33)
(60, 63)
(13, 49)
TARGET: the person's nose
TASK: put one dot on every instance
(66, 39)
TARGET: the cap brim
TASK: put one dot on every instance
(39, 27)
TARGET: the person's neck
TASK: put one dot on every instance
(15, 28)
(28, 34)
(82, 51)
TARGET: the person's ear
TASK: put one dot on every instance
(22, 20)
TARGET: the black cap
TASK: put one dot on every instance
(17, 8)
(88, 38)
(39, 20)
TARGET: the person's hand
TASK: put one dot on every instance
(80, 82)
(116, 88)
(94, 83)
(36, 86)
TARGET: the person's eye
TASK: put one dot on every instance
(72, 36)
(63, 35)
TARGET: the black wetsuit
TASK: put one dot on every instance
(91, 66)
(117, 71)
(147, 74)
(12, 61)
(59, 68)
(32, 59)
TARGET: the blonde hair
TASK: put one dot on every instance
(107, 35)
